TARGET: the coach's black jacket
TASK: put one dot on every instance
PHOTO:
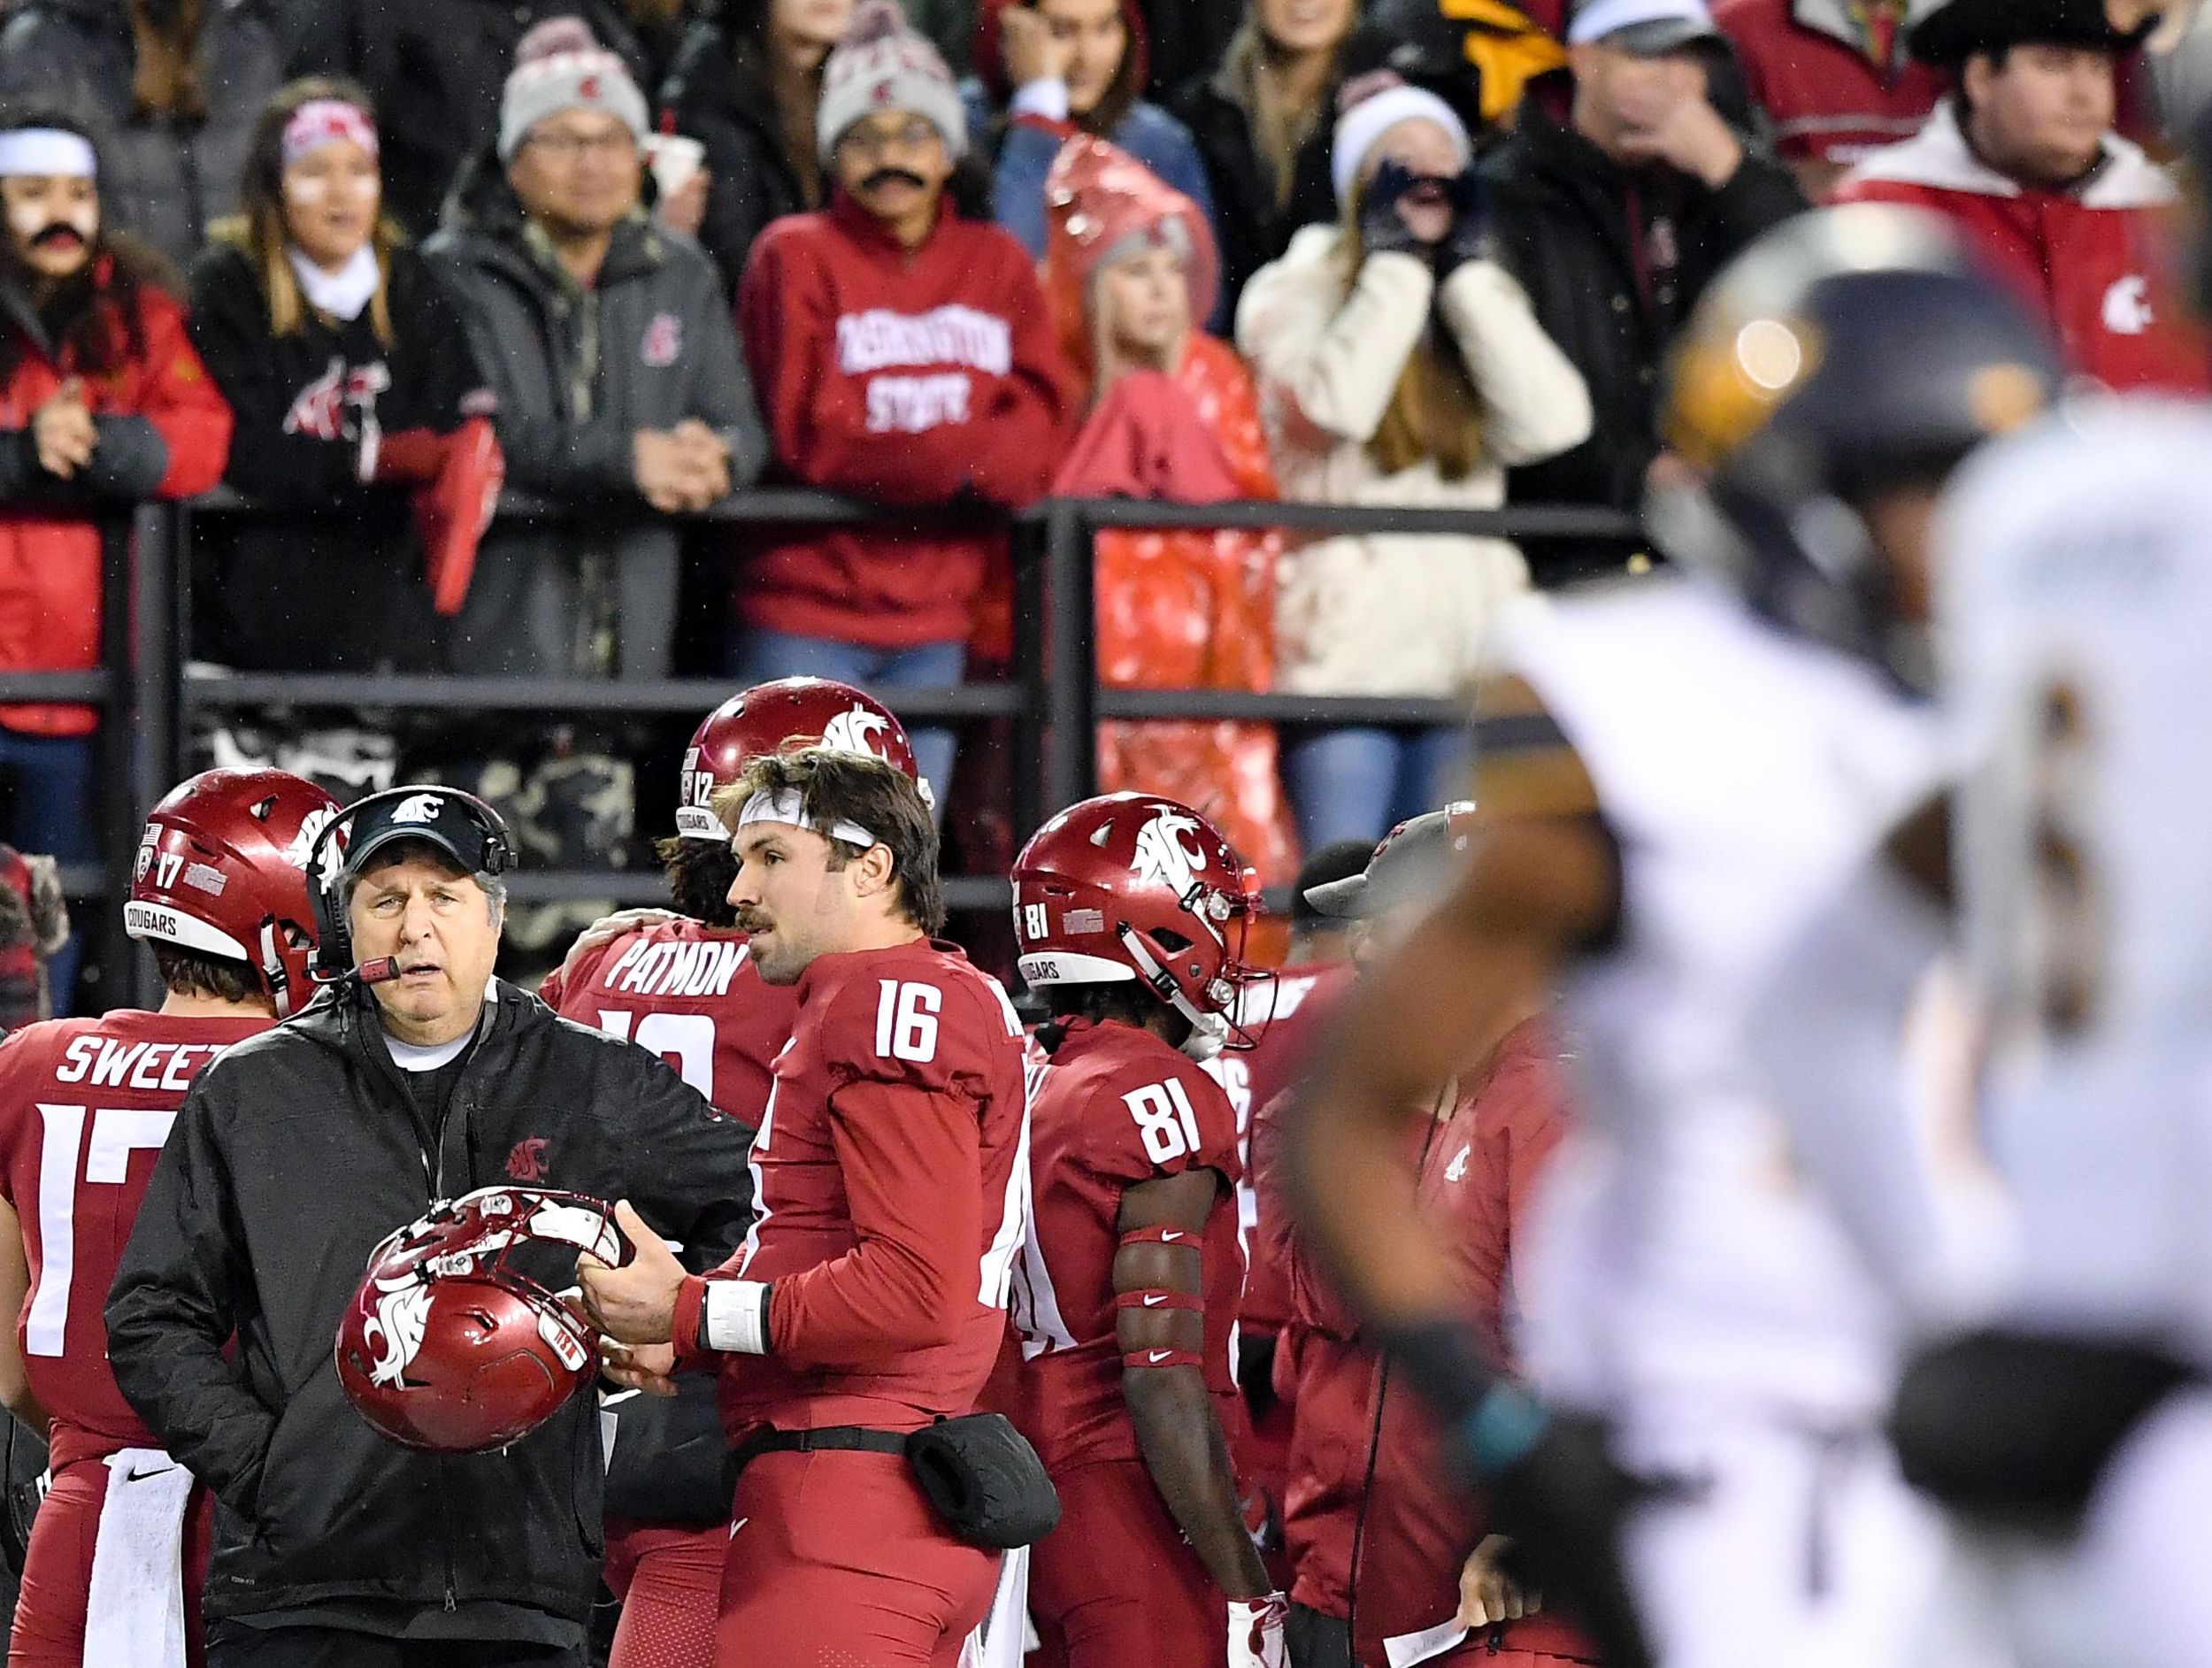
(294, 1154)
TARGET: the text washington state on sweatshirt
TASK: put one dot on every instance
(913, 378)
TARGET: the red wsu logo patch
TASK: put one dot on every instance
(526, 1161)
(664, 340)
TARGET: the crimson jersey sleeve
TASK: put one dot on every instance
(922, 1061)
(86, 1106)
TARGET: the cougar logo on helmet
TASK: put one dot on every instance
(1163, 854)
(396, 1330)
(854, 731)
(420, 808)
(302, 845)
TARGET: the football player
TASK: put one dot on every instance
(683, 986)
(1666, 783)
(2062, 1415)
(1130, 911)
(889, 1169)
(220, 892)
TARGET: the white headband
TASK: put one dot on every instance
(40, 151)
(1359, 128)
(788, 808)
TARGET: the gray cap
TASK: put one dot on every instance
(1413, 864)
(1644, 28)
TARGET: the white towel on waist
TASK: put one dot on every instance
(135, 1606)
(1006, 1636)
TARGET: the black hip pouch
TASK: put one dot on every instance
(978, 1473)
(982, 1476)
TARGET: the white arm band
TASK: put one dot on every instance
(1828, 1031)
(736, 1317)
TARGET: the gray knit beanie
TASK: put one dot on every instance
(559, 65)
(883, 64)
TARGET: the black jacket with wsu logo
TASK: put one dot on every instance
(294, 1154)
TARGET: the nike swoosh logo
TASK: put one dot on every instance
(135, 1476)
(1169, 1239)
(1155, 1356)
(1154, 1302)
(740, 1523)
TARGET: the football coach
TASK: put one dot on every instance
(416, 1076)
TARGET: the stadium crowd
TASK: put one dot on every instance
(632, 261)
(370, 262)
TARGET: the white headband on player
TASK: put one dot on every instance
(42, 151)
(789, 808)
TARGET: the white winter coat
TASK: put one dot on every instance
(1394, 614)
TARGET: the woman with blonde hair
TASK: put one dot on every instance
(1131, 271)
(356, 396)
(1400, 364)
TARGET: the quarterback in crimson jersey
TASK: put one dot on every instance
(684, 986)
(85, 1105)
(1130, 910)
(868, 1300)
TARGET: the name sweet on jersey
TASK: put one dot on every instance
(107, 1063)
(675, 968)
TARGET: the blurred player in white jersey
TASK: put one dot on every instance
(1679, 769)
(2070, 1428)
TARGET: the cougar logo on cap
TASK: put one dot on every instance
(421, 808)
(1163, 853)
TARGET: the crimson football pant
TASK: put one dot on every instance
(58, 1569)
(836, 1561)
(1116, 1584)
(669, 1583)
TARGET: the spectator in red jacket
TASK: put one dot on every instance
(904, 354)
(1834, 76)
(103, 402)
(2023, 159)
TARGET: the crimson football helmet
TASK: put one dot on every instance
(770, 717)
(222, 870)
(450, 1345)
(1133, 886)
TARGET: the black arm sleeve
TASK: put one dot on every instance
(441, 377)
(690, 1167)
(173, 1308)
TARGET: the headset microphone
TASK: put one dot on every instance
(381, 971)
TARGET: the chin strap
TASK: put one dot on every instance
(1208, 1031)
(272, 974)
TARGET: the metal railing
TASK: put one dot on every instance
(149, 695)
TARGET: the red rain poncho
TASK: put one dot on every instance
(1176, 609)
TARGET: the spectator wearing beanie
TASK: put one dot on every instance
(905, 356)
(2022, 158)
(1261, 121)
(1131, 271)
(435, 70)
(1616, 212)
(1400, 364)
(617, 373)
(746, 84)
(356, 391)
(1833, 76)
(171, 88)
(103, 405)
(1054, 68)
